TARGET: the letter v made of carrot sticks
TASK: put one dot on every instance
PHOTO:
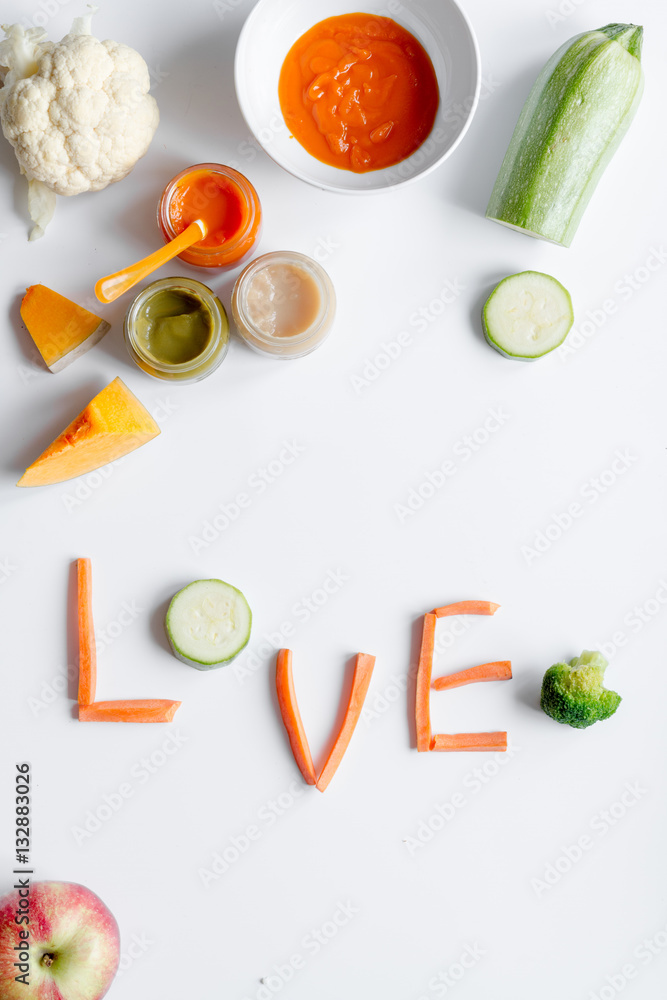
(289, 710)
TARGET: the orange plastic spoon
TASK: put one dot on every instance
(110, 288)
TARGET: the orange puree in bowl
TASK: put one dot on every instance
(213, 198)
(358, 92)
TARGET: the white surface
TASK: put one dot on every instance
(273, 27)
(332, 511)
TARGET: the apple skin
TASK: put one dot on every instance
(73, 928)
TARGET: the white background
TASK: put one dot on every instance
(333, 510)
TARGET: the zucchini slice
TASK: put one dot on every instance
(527, 315)
(580, 108)
(208, 623)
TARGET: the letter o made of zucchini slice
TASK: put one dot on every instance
(527, 315)
(208, 623)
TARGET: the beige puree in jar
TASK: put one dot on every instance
(283, 304)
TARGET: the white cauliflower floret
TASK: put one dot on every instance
(77, 112)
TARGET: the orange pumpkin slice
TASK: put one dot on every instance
(113, 424)
(61, 329)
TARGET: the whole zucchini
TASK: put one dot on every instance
(571, 125)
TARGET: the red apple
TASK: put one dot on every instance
(71, 950)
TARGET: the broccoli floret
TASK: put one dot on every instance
(574, 693)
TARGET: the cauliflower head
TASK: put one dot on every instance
(77, 112)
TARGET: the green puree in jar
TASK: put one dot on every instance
(174, 326)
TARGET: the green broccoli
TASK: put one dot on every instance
(574, 693)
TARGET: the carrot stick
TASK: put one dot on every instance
(469, 741)
(467, 608)
(499, 670)
(150, 710)
(363, 671)
(87, 652)
(422, 693)
(291, 716)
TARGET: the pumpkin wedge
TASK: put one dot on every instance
(61, 329)
(113, 424)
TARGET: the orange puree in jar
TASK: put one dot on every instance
(358, 92)
(213, 198)
(225, 201)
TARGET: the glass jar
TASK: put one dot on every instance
(177, 329)
(222, 196)
(283, 304)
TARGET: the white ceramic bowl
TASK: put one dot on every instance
(272, 28)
